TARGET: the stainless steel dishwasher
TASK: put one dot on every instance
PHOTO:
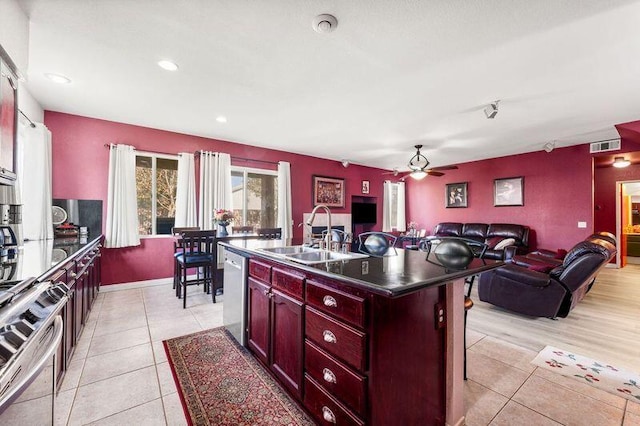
(234, 306)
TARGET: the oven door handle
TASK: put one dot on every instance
(38, 367)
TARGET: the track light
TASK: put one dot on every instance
(491, 110)
(621, 162)
(549, 146)
(345, 163)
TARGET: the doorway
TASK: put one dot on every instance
(628, 222)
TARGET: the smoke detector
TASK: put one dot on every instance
(324, 23)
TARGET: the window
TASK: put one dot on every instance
(394, 218)
(255, 197)
(156, 184)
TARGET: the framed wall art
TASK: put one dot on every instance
(365, 186)
(456, 195)
(328, 191)
(508, 191)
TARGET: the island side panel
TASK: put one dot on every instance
(455, 353)
(407, 359)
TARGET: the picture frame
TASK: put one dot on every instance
(456, 195)
(365, 186)
(328, 191)
(508, 191)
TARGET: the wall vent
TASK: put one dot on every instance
(603, 146)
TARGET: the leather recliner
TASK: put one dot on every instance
(547, 294)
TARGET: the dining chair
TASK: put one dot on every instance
(242, 229)
(269, 233)
(198, 251)
(177, 249)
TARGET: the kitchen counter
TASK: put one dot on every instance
(397, 273)
(36, 258)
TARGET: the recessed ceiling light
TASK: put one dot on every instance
(221, 119)
(58, 78)
(168, 65)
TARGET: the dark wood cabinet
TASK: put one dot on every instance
(275, 323)
(287, 340)
(349, 356)
(82, 275)
(259, 326)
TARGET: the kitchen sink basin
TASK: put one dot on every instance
(288, 250)
(310, 256)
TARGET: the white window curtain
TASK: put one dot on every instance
(122, 202)
(215, 186)
(186, 212)
(285, 217)
(401, 226)
(33, 186)
(391, 205)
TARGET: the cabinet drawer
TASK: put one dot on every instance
(288, 281)
(337, 338)
(325, 409)
(337, 303)
(260, 270)
(338, 379)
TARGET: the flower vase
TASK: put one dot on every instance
(222, 230)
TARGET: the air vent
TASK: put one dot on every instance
(603, 146)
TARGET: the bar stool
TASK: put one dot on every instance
(177, 249)
(198, 251)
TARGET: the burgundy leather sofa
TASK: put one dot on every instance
(489, 234)
(552, 293)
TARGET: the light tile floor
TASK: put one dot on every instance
(119, 373)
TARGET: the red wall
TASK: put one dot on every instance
(557, 194)
(80, 168)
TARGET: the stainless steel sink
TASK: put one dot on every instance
(310, 256)
(288, 249)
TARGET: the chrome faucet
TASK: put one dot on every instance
(313, 216)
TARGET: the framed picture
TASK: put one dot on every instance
(508, 191)
(328, 191)
(456, 195)
(365, 186)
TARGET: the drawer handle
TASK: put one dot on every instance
(329, 337)
(329, 376)
(328, 415)
(329, 301)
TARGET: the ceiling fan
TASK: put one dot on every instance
(418, 165)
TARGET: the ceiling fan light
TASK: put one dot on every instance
(621, 162)
(418, 175)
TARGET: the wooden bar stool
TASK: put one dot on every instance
(198, 252)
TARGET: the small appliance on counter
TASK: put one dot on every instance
(8, 242)
(66, 230)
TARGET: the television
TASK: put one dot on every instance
(363, 213)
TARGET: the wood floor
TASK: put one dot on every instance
(605, 326)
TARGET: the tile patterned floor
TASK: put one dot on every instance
(119, 374)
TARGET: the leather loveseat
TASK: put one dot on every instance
(525, 285)
(490, 234)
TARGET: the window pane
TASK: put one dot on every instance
(237, 188)
(144, 188)
(262, 200)
(394, 206)
(166, 186)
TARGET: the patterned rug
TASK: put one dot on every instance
(220, 383)
(598, 374)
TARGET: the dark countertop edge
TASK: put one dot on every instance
(359, 283)
(46, 275)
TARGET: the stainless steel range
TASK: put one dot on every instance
(30, 332)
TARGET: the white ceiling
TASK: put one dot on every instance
(393, 74)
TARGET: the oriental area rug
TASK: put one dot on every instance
(598, 374)
(220, 383)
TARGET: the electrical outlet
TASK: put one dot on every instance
(582, 224)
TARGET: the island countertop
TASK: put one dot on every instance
(397, 273)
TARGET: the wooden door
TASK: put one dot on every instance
(287, 341)
(258, 321)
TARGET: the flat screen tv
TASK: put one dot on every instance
(363, 213)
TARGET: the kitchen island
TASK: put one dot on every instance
(366, 340)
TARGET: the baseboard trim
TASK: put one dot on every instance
(138, 284)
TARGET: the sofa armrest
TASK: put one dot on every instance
(523, 275)
(509, 252)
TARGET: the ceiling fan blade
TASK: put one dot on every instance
(433, 173)
(444, 168)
